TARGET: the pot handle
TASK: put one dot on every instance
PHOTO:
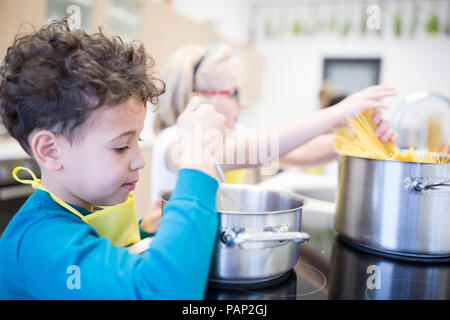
(422, 184)
(230, 238)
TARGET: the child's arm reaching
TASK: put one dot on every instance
(315, 152)
(320, 150)
(294, 134)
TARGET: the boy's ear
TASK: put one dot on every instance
(44, 145)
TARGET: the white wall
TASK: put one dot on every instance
(293, 71)
(228, 17)
(293, 65)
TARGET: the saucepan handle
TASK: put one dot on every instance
(420, 184)
(230, 238)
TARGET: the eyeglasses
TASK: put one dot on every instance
(235, 93)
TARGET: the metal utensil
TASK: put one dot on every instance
(220, 173)
(229, 199)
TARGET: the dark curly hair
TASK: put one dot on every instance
(52, 78)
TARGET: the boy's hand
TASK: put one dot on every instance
(202, 138)
(150, 222)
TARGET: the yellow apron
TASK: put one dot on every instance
(315, 170)
(118, 223)
(235, 176)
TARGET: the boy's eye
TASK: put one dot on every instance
(121, 149)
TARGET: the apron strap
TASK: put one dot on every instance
(34, 183)
(37, 184)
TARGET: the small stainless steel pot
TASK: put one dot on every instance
(395, 206)
(258, 236)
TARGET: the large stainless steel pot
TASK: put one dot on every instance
(395, 206)
(258, 236)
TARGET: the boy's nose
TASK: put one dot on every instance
(138, 161)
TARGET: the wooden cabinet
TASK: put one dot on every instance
(18, 16)
(164, 31)
(160, 28)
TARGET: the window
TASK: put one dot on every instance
(124, 19)
(79, 12)
(349, 75)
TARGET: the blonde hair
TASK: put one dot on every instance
(179, 79)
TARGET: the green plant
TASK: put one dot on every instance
(433, 24)
(296, 28)
(346, 29)
(267, 28)
(398, 24)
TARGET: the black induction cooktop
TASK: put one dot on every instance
(330, 267)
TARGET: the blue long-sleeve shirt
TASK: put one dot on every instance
(45, 247)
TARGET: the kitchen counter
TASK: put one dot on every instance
(312, 186)
(294, 178)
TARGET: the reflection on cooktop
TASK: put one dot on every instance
(289, 287)
(357, 274)
(329, 268)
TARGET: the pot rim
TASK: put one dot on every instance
(341, 155)
(297, 197)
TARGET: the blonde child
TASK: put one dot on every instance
(215, 75)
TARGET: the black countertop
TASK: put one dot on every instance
(330, 267)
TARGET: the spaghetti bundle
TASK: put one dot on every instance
(359, 139)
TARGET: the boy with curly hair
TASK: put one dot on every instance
(76, 103)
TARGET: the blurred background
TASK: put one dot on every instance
(299, 55)
(292, 49)
(289, 47)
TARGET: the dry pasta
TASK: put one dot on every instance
(359, 139)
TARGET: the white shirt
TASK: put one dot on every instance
(161, 176)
